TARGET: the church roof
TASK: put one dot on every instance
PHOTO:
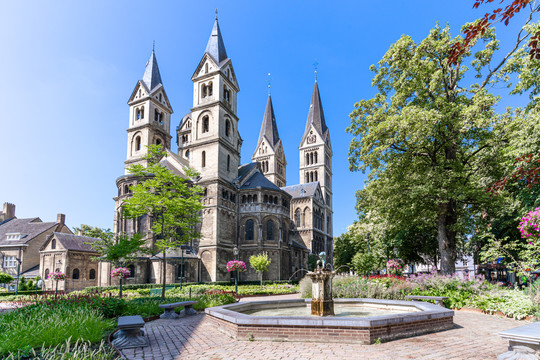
(27, 228)
(75, 242)
(258, 180)
(316, 114)
(244, 170)
(215, 47)
(152, 77)
(301, 190)
(269, 126)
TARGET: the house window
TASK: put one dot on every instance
(53, 244)
(249, 229)
(92, 275)
(270, 230)
(10, 262)
(75, 274)
(205, 124)
(203, 159)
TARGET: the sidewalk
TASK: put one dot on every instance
(474, 337)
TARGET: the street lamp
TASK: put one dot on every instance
(18, 274)
(235, 253)
(181, 266)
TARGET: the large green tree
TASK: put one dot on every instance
(172, 202)
(429, 137)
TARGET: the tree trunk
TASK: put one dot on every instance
(163, 273)
(446, 236)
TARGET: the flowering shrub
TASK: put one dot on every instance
(57, 276)
(395, 266)
(120, 272)
(236, 265)
(529, 227)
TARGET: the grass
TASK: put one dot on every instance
(39, 326)
(80, 350)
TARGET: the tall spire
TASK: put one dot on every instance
(151, 77)
(269, 126)
(316, 114)
(215, 47)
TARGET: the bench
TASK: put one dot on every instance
(169, 309)
(157, 291)
(438, 299)
(130, 334)
(524, 342)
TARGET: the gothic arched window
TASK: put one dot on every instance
(203, 159)
(205, 124)
(270, 230)
(75, 274)
(315, 157)
(131, 270)
(203, 90)
(210, 89)
(46, 274)
(249, 229)
(142, 112)
(92, 275)
(137, 143)
(228, 162)
(227, 128)
(297, 217)
(255, 198)
(53, 244)
(138, 114)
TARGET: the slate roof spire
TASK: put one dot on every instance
(215, 47)
(316, 114)
(152, 77)
(269, 125)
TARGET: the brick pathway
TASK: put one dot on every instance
(473, 337)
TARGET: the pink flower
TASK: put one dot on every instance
(122, 272)
(236, 265)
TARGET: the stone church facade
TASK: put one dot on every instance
(248, 206)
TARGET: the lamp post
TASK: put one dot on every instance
(235, 253)
(181, 266)
(18, 274)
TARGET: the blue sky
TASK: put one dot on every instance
(69, 67)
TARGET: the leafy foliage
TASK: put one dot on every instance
(172, 202)
(5, 278)
(260, 263)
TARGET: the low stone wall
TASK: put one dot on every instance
(430, 319)
(323, 334)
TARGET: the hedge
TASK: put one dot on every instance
(91, 289)
(26, 292)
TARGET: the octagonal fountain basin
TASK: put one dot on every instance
(361, 321)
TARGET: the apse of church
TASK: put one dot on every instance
(247, 206)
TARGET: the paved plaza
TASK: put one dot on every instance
(474, 337)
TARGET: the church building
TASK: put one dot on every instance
(246, 206)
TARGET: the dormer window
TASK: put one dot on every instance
(14, 236)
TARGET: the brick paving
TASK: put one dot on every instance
(474, 337)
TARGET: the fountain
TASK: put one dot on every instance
(325, 319)
(322, 303)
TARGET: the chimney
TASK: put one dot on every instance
(61, 219)
(79, 232)
(8, 213)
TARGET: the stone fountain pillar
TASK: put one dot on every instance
(322, 303)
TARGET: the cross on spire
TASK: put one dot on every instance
(269, 81)
(315, 66)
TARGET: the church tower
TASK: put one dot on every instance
(208, 138)
(269, 151)
(316, 164)
(149, 115)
